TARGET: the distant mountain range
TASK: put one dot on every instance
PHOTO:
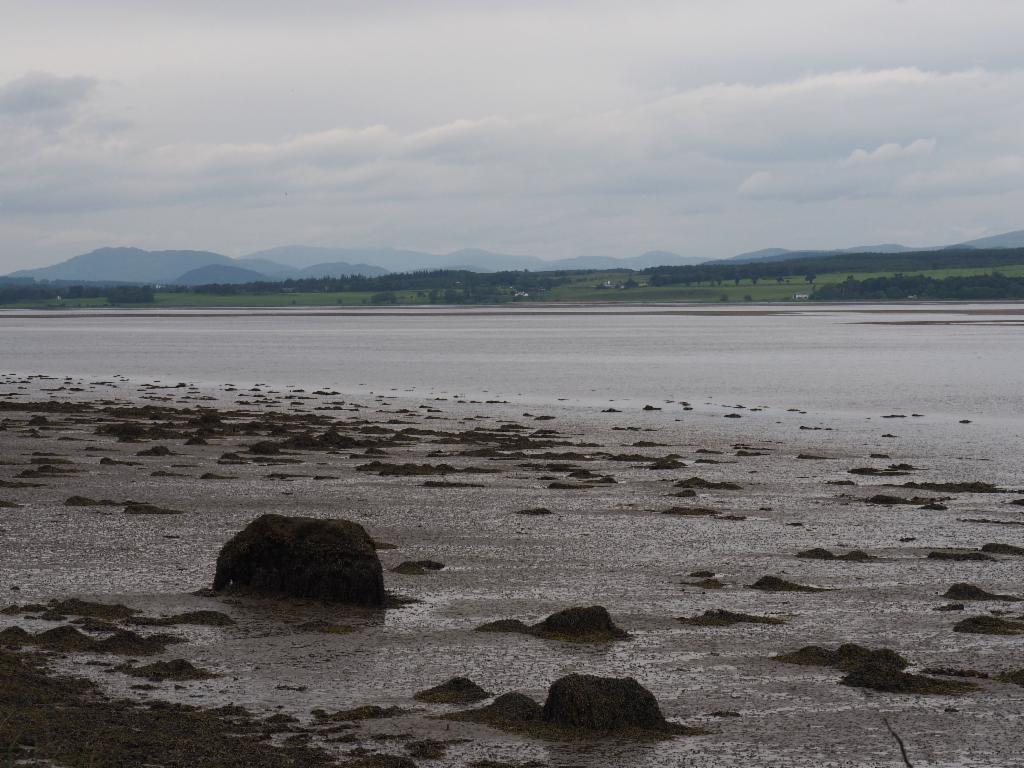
(1013, 239)
(134, 265)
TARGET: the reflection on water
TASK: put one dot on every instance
(852, 361)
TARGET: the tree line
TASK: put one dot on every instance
(807, 268)
(959, 288)
(17, 292)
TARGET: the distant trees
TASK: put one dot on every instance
(970, 288)
(27, 292)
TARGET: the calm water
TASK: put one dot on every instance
(939, 359)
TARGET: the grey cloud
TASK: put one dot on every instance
(40, 92)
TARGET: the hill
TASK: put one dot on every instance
(126, 265)
(1013, 239)
(222, 274)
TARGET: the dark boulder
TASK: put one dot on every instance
(592, 622)
(603, 704)
(886, 678)
(507, 711)
(574, 625)
(329, 560)
(964, 591)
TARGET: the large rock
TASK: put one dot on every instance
(605, 704)
(592, 622)
(329, 560)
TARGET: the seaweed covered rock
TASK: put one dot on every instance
(989, 625)
(776, 584)
(329, 560)
(846, 657)
(580, 624)
(879, 676)
(603, 704)
(160, 671)
(590, 624)
(720, 617)
(1002, 549)
(458, 690)
(819, 553)
(507, 710)
(964, 591)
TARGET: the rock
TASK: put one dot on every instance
(175, 669)
(963, 591)
(846, 657)
(989, 625)
(458, 690)
(508, 710)
(156, 450)
(533, 512)
(603, 704)
(817, 553)
(580, 625)
(574, 625)
(329, 560)
(888, 679)
(775, 584)
(1015, 676)
(1003, 549)
(723, 618)
(958, 556)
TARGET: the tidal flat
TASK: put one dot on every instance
(715, 545)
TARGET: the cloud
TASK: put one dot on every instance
(42, 93)
(892, 151)
(650, 168)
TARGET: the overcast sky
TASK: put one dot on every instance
(547, 128)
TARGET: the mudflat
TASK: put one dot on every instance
(787, 586)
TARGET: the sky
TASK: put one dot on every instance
(555, 129)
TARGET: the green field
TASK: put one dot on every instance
(584, 288)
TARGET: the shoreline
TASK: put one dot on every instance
(552, 309)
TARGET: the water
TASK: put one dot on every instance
(858, 360)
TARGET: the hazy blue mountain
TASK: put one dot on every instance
(127, 265)
(226, 274)
(391, 259)
(474, 259)
(782, 254)
(1006, 240)
(269, 268)
(341, 269)
(644, 260)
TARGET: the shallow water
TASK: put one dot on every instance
(840, 359)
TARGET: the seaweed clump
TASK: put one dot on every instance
(458, 690)
(989, 625)
(723, 618)
(776, 584)
(964, 591)
(878, 676)
(820, 553)
(846, 657)
(178, 670)
(69, 721)
(590, 624)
